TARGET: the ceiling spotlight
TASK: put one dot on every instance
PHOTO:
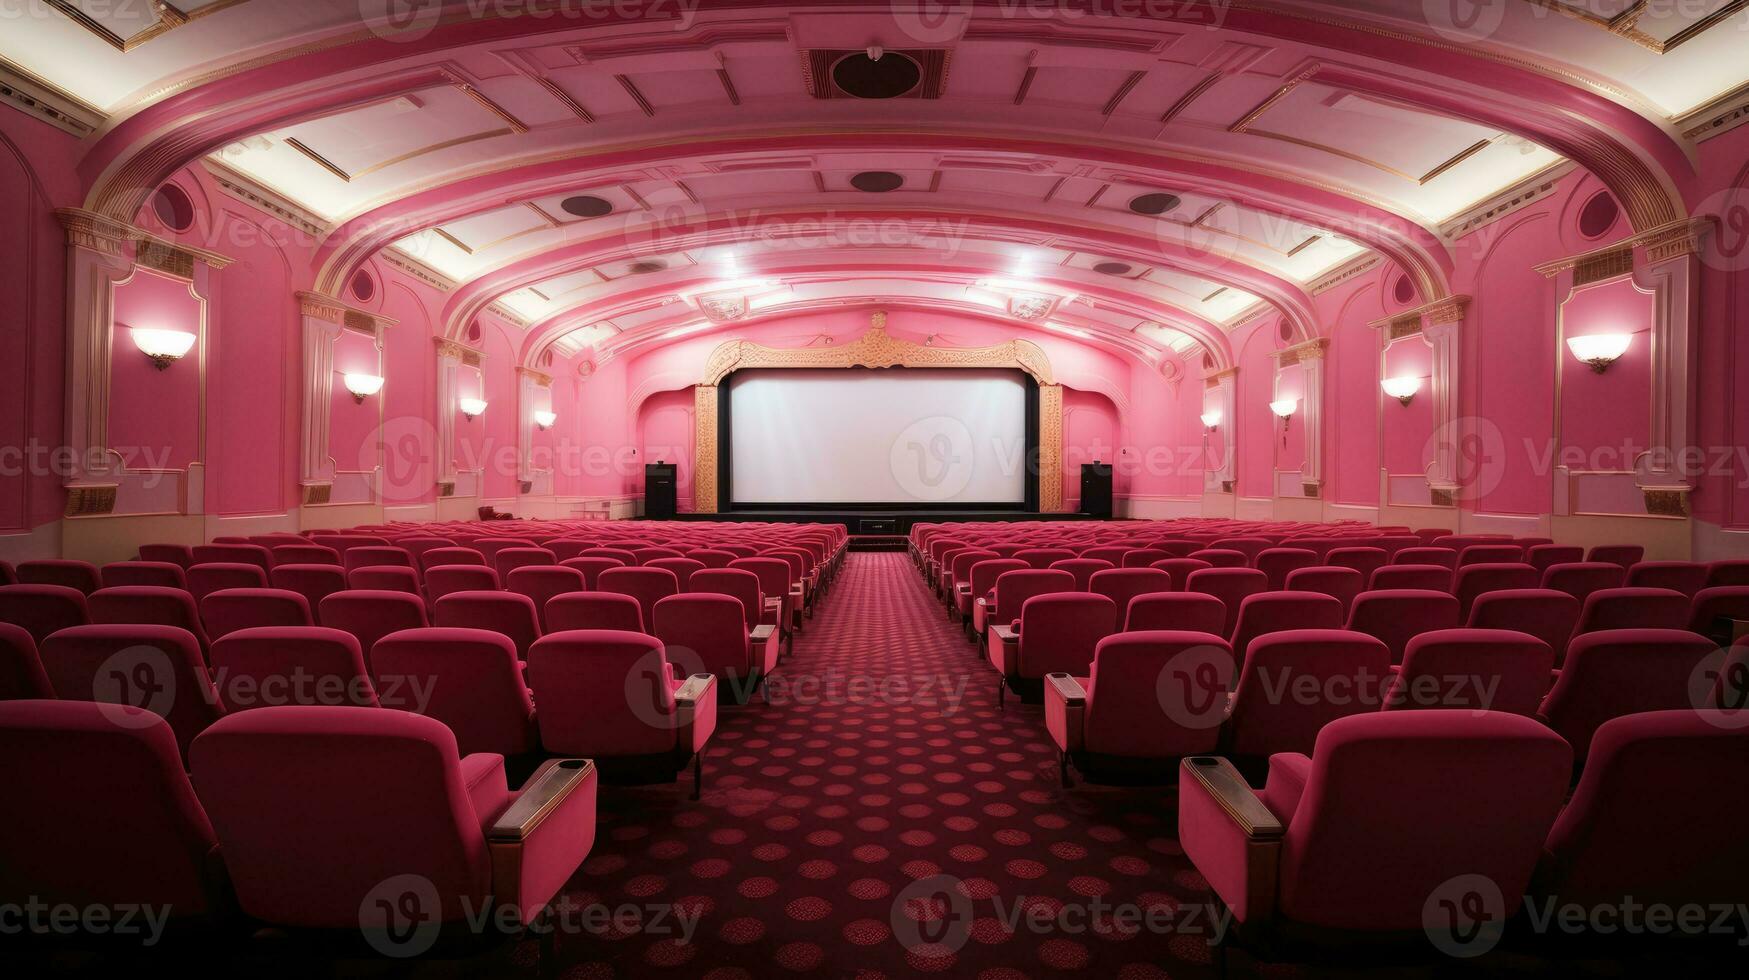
(1599, 350)
(1402, 389)
(163, 347)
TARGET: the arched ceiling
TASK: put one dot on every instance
(1141, 176)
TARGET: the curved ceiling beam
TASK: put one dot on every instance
(473, 298)
(1399, 238)
(540, 335)
(1633, 155)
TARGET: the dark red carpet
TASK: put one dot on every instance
(880, 817)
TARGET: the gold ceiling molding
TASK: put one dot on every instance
(877, 349)
(540, 378)
(100, 233)
(461, 352)
(169, 19)
(1448, 310)
(44, 100)
(330, 310)
(1311, 350)
(1626, 23)
(1668, 240)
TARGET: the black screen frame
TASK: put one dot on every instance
(725, 460)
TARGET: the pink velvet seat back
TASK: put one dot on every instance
(377, 556)
(80, 575)
(233, 554)
(541, 583)
(621, 555)
(1180, 569)
(295, 794)
(1363, 560)
(270, 666)
(507, 613)
(471, 680)
(369, 616)
(1474, 580)
(603, 693)
(647, 585)
(42, 609)
(595, 611)
(159, 669)
(1580, 579)
(1327, 674)
(207, 578)
(1341, 584)
(21, 669)
(773, 574)
(1543, 557)
(1231, 586)
(712, 557)
(146, 605)
(384, 578)
(1715, 607)
(230, 610)
(313, 582)
(508, 560)
(1428, 578)
(742, 585)
(1120, 585)
(1476, 669)
(1624, 555)
(1545, 614)
(1468, 794)
(1014, 588)
(159, 574)
(1490, 554)
(1686, 577)
(70, 768)
(681, 567)
(1443, 557)
(1657, 817)
(1143, 557)
(1043, 557)
(644, 556)
(592, 569)
(1110, 553)
(1276, 563)
(1221, 558)
(1622, 672)
(1181, 612)
(175, 554)
(489, 547)
(1728, 572)
(705, 633)
(1150, 700)
(1059, 632)
(1083, 569)
(1628, 608)
(983, 574)
(1272, 612)
(439, 557)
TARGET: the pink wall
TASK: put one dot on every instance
(154, 415)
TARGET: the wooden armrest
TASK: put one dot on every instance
(762, 633)
(1006, 634)
(1225, 786)
(1068, 689)
(545, 790)
(694, 690)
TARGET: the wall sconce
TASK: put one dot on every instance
(1599, 350)
(1284, 410)
(1211, 419)
(163, 346)
(545, 420)
(362, 386)
(1402, 389)
(473, 408)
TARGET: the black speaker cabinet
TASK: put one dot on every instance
(1096, 490)
(661, 483)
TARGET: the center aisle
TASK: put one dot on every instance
(876, 786)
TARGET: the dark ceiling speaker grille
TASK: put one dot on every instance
(877, 181)
(1598, 215)
(646, 266)
(1152, 204)
(1113, 268)
(587, 206)
(1404, 292)
(837, 73)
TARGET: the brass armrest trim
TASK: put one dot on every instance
(1229, 789)
(545, 791)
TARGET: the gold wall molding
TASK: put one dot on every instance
(330, 310)
(540, 378)
(877, 349)
(1668, 240)
(1311, 350)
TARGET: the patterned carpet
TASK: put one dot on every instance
(881, 817)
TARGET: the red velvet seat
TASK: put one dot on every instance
(270, 666)
(21, 669)
(541, 583)
(324, 812)
(1082, 569)
(1250, 547)
(612, 696)
(1120, 585)
(1143, 557)
(1149, 699)
(377, 556)
(1231, 586)
(471, 680)
(647, 585)
(595, 611)
(80, 575)
(230, 610)
(1715, 610)
(1580, 579)
(158, 574)
(1044, 557)
(1221, 558)
(1264, 613)
(175, 554)
(1341, 584)
(384, 578)
(1427, 578)
(1333, 851)
(233, 554)
(206, 578)
(1656, 818)
(1276, 563)
(1363, 560)
(621, 555)
(508, 613)
(774, 586)
(490, 546)
(1474, 580)
(956, 567)
(643, 556)
(1057, 633)
(343, 543)
(1728, 572)
(738, 583)
(1474, 669)
(1626, 609)
(563, 548)
(1110, 553)
(508, 560)
(983, 595)
(159, 669)
(42, 609)
(1545, 614)
(712, 557)
(145, 605)
(1444, 557)
(71, 768)
(370, 616)
(681, 567)
(1543, 557)
(1490, 554)
(1180, 569)
(1294, 682)
(1686, 577)
(439, 557)
(1730, 687)
(1625, 555)
(592, 568)
(707, 633)
(313, 582)
(1622, 672)
(1181, 612)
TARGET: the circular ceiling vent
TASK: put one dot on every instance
(866, 78)
(1598, 215)
(646, 266)
(1152, 204)
(172, 206)
(587, 206)
(1113, 268)
(877, 181)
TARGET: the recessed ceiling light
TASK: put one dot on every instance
(1113, 268)
(1152, 204)
(877, 181)
(646, 265)
(587, 206)
(888, 77)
